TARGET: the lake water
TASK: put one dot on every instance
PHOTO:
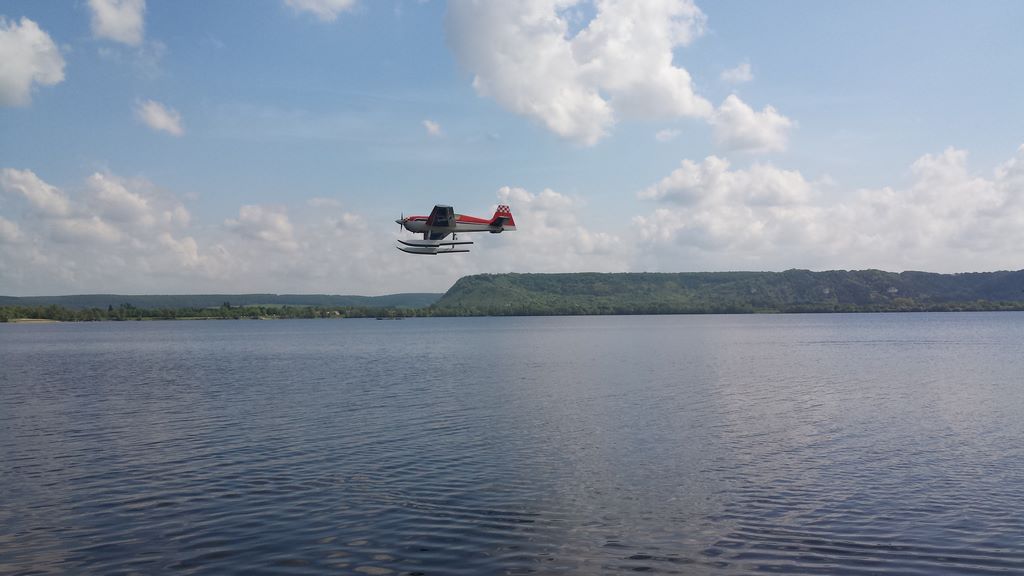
(838, 444)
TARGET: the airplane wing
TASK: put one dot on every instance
(440, 223)
(441, 217)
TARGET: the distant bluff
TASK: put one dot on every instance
(731, 292)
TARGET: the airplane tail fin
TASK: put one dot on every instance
(503, 217)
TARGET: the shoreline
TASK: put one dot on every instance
(31, 321)
(519, 315)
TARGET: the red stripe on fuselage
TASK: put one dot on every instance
(460, 218)
(471, 220)
(462, 223)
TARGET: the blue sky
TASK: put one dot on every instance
(161, 147)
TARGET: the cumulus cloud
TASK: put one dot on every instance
(552, 236)
(432, 128)
(10, 232)
(28, 57)
(117, 234)
(111, 230)
(118, 20)
(969, 218)
(160, 117)
(116, 202)
(619, 65)
(626, 50)
(134, 202)
(711, 182)
(766, 218)
(737, 127)
(324, 10)
(722, 211)
(83, 231)
(738, 75)
(107, 207)
(266, 224)
(323, 249)
(45, 199)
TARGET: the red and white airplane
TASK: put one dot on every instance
(444, 221)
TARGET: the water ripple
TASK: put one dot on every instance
(673, 445)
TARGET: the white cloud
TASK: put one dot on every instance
(620, 64)
(114, 230)
(45, 199)
(267, 224)
(323, 250)
(116, 234)
(551, 236)
(116, 202)
(946, 210)
(28, 57)
(118, 20)
(333, 215)
(737, 127)
(765, 218)
(626, 51)
(738, 75)
(87, 230)
(727, 213)
(520, 57)
(10, 232)
(432, 128)
(135, 203)
(324, 10)
(666, 135)
(160, 117)
(185, 251)
(711, 182)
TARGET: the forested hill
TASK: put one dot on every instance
(731, 292)
(582, 293)
(180, 301)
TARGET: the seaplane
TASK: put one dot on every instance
(442, 222)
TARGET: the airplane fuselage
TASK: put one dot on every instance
(462, 223)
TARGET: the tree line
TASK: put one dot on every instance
(732, 292)
(127, 313)
(792, 291)
(226, 311)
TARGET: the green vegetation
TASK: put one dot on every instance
(583, 293)
(225, 311)
(730, 292)
(180, 301)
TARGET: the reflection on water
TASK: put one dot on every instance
(675, 444)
